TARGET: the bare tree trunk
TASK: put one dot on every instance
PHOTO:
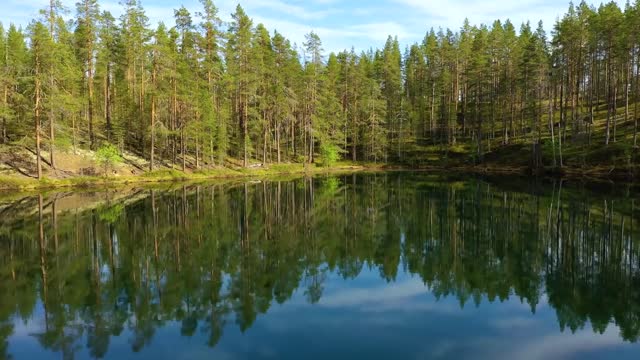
(615, 109)
(153, 112)
(51, 130)
(637, 100)
(608, 126)
(37, 131)
(627, 90)
(73, 131)
(278, 142)
(153, 131)
(4, 119)
(92, 144)
(245, 133)
(107, 103)
(183, 148)
(174, 119)
(51, 85)
(551, 125)
(197, 139)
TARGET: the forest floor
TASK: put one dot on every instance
(616, 162)
(585, 155)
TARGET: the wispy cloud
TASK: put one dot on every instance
(406, 296)
(564, 346)
(452, 13)
(289, 10)
(340, 24)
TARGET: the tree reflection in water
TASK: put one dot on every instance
(216, 256)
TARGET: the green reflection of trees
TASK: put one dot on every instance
(207, 257)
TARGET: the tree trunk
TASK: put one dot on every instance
(264, 146)
(153, 130)
(37, 122)
(92, 144)
(174, 119)
(245, 133)
(51, 129)
(4, 119)
(615, 109)
(153, 114)
(627, 90)
(183, 148)
(608, 126)
(107, 103)
(51, 85)
(637, 100)
(278, 142)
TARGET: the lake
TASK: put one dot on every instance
(387, 265)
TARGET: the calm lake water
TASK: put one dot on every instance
(377, 266)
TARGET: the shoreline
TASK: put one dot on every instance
(21, 183)
(18, 183)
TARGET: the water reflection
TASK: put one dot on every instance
(79, 272)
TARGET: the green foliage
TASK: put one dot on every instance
(110, 214)
(200, 96)
(107, 157)
(329, 154)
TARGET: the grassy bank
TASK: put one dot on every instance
(16, 182)
(615, 171)
(595, 173)
(589, 162)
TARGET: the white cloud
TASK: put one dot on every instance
(390, 297)
(340, 24)
(564, 346)
(337, 39)
(291, 10)
(451, 13)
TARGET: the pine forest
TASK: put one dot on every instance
(202, 92)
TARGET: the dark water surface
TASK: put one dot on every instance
(384, 266)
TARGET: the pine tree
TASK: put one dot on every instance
(16, 67)
(213, 71)
(391, 63)
(4, 86)
(41, 59)
(312, 72)
(263, 62)
(187, 86)
(86, 36)
(242, 80)
(374, 108)
(285, 99)
(106, 65)
(170, 94)
(52, 14)
(328, 124)
(134, 39)
(67, 99)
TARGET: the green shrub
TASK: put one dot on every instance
(108, 157)
(329, 154)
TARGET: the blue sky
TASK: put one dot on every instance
(340, 23)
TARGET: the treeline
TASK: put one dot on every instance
(216, 257)
(201, 91)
